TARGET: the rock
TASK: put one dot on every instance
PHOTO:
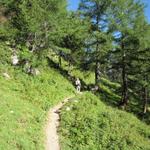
(76, 101)
(26, 67)
(37, 72)
(68, 109)
(6, 75)
(15, 60)
(96, 88)
(34, 71)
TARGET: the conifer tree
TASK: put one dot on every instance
(96, 11)
(123, 18)
(31, 27)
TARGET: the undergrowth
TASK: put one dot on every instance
(24, 102)
(91, 125)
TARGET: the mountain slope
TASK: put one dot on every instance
(91, 125)
(24, 102)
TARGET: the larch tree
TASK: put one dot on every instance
(34, 21)
(123, 17)
(96, 11)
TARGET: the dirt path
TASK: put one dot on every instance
(52, 140)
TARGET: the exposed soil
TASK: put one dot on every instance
(52, 139)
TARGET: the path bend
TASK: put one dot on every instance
(52, 139)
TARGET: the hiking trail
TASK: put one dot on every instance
(52, 124)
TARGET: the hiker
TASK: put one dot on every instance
(78, 85)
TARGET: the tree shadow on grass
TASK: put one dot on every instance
(66, 74)
(105, 96)
(108, 98)
(136, 107)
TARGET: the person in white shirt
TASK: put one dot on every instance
(78, 85)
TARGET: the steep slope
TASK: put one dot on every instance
(91, 125)
(24, 103)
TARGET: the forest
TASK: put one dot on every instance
(44, 47)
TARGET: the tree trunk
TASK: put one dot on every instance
(69, 67)
(97, 63)
(60, 62)
(124, 100)
(59, 59)
(145, 97)
(97, 72)
(124, 87)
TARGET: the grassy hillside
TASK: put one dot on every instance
(24, 102)
(88, 124)
(109, 93)
(91, 125)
